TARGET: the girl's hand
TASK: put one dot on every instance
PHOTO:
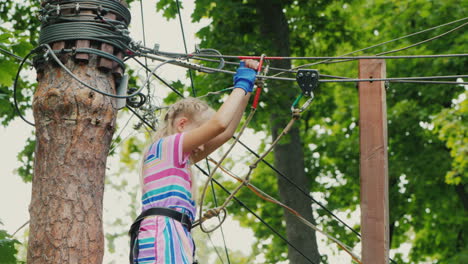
(245, 75)
(252, 64)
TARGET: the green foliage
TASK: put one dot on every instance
(7, 248)
(451, 128)
(26, 157)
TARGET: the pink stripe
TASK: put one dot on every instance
(167, 181)
(165, 173)
(177, 151)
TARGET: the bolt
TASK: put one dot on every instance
(300, 75)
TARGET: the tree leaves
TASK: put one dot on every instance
(7, 248)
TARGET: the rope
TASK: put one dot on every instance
(194, 93)
(211, 213)
(240, 57)
(15, 87)
(386, 42)
(144, 38)
(269, 198)
(274, 77)
(4, 51)
(424, 41)
(257, 216)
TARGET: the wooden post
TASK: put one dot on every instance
(374, 163)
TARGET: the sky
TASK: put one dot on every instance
(12, 138)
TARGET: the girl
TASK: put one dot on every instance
(192, 130)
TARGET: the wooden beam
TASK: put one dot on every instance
(374, 163)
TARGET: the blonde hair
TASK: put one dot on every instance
(192, 108)
(189, 107)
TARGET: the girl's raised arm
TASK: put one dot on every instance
(217, 130)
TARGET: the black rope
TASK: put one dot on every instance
(383, 43)
(144, 39)
(256, 216)
(216, 205)
(299, 188)
(160, 79)
(194, 93)
(15, 87)
(4, 51)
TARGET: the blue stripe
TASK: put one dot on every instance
(146, 259)
(159, 148)
(164, 196)
(146, 246)
(157, 154)
(165, 189)
(171, 241)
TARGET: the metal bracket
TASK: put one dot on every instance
(308, 80)
(122, 90)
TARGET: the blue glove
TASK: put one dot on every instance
(244, 78)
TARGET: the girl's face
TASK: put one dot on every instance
(192, 124)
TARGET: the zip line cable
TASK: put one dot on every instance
(424, 41)
(185, 46)
(242, 57)
(274, 77)
(144, 39)
(11, 54)
(386, 42)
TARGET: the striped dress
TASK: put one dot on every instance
(166, 183)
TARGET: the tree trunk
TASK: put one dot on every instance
(74, 128)
(289, 156)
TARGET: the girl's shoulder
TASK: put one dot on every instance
(167, 146)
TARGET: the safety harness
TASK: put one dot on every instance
(183, 218)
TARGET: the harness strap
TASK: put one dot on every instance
(183, 218)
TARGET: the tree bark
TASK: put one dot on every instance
(74, 128)
(289, 155)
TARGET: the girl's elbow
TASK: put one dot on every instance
(219, 125)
